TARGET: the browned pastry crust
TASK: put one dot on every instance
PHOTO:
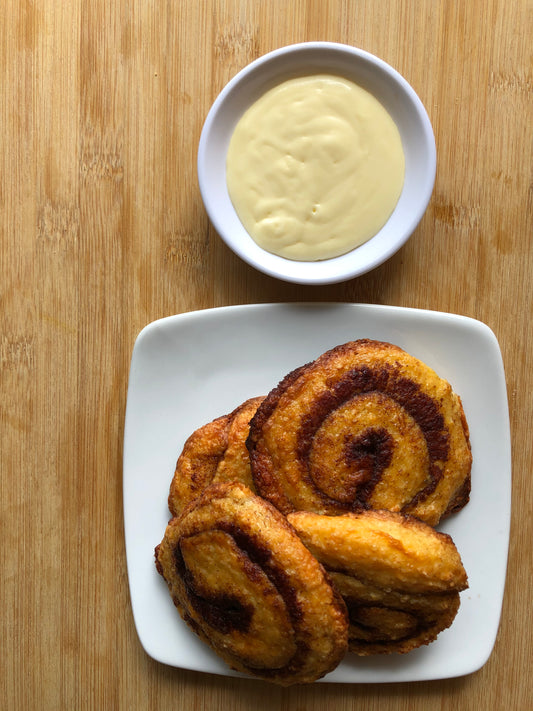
(245, 583)
(215, 452)
(399, 577)
(366, 425)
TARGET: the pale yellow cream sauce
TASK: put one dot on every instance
(315, 168)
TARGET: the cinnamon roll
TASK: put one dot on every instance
(214, 452)
(246, 584)
(366, 425)
(400, 579)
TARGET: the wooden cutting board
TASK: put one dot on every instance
(103, 230)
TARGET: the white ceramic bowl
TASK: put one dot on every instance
(374, 75)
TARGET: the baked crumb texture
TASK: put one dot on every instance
(365, 425)
(303, 522)
(400, 579)
(245, 583)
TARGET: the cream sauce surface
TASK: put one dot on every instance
(315, 167)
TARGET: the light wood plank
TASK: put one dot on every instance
(102, 230)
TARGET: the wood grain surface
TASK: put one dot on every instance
(103, 230)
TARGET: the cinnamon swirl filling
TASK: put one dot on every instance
(365, 425)
(245, 583)
(400, 579)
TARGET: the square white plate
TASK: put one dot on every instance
(188, 369)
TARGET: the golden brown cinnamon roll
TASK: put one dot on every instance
(245, 583)
(214, 452)
(366, 425)
(399, 577)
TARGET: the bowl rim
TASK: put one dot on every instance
(270, 69)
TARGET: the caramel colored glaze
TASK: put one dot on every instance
(246, 585)
(400, 579)
(365, 425)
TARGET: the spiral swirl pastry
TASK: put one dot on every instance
(366, 425)
(400, 579)
(245, 583)
(213, 453)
